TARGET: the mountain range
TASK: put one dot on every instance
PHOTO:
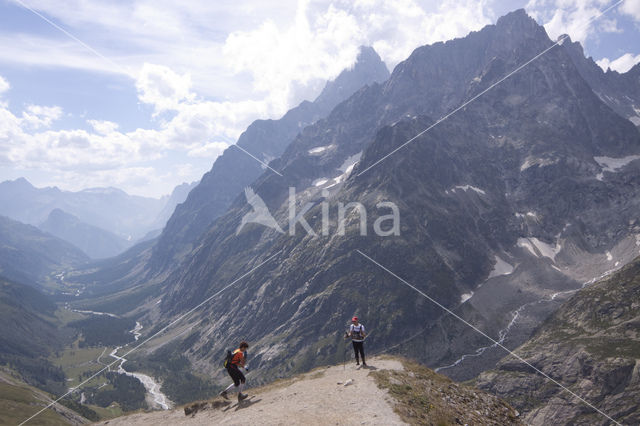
(103, 222)
(95, 242)
(508, 207)
(528, 192)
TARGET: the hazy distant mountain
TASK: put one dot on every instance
(111, 209)
(29, 255)
(95, 242)
(178, 196)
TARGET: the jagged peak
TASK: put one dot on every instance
(368, 53)
(368, 68)
(21, 181)
(517, 17)
(519, 24)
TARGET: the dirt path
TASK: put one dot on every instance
(318, 397)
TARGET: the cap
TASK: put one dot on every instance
(354, 319)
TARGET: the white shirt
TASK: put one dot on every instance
(357, 329)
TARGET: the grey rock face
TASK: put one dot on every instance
(619, 91)
(590, 345)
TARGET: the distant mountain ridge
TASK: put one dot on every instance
(29, 255)
(111, 209)
(95, 242)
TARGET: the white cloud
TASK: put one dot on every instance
(163, 88)
(209, 150)
(573, 17)
(631, 8)
(4, 85)
(36, 116)
(103, 127)
(307, 49)
(622, 64)
(207, 68)
(321, 41)
(105, 156)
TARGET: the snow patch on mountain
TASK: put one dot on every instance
(467, 188)
(348, 164)
(532, 215)
(501, 268)
(540, 162)
(466, 296)
(320, 149)
(610, 164)
(539, 248)
(346, 168)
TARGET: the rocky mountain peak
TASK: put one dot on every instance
(368, 67)
(517, 20)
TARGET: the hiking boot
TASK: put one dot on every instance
(364, 364)
(242, 396)
(224, 394)
(357, 362)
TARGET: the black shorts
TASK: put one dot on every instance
(236, 375)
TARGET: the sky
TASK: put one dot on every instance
(143, 95)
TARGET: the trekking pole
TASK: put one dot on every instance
(344, 353)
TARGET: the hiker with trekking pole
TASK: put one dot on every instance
(234, 361)
(357, 334)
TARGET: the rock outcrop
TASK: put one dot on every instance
(592, 346)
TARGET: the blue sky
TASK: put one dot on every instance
(153, 91)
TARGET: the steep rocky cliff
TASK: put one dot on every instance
(592, 346)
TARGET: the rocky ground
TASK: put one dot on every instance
(389, 392)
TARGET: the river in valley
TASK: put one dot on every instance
(155, 397)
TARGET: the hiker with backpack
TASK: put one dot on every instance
(357, 334)
(234, 361)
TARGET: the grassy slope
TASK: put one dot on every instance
(19, 401)
(426, 398)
